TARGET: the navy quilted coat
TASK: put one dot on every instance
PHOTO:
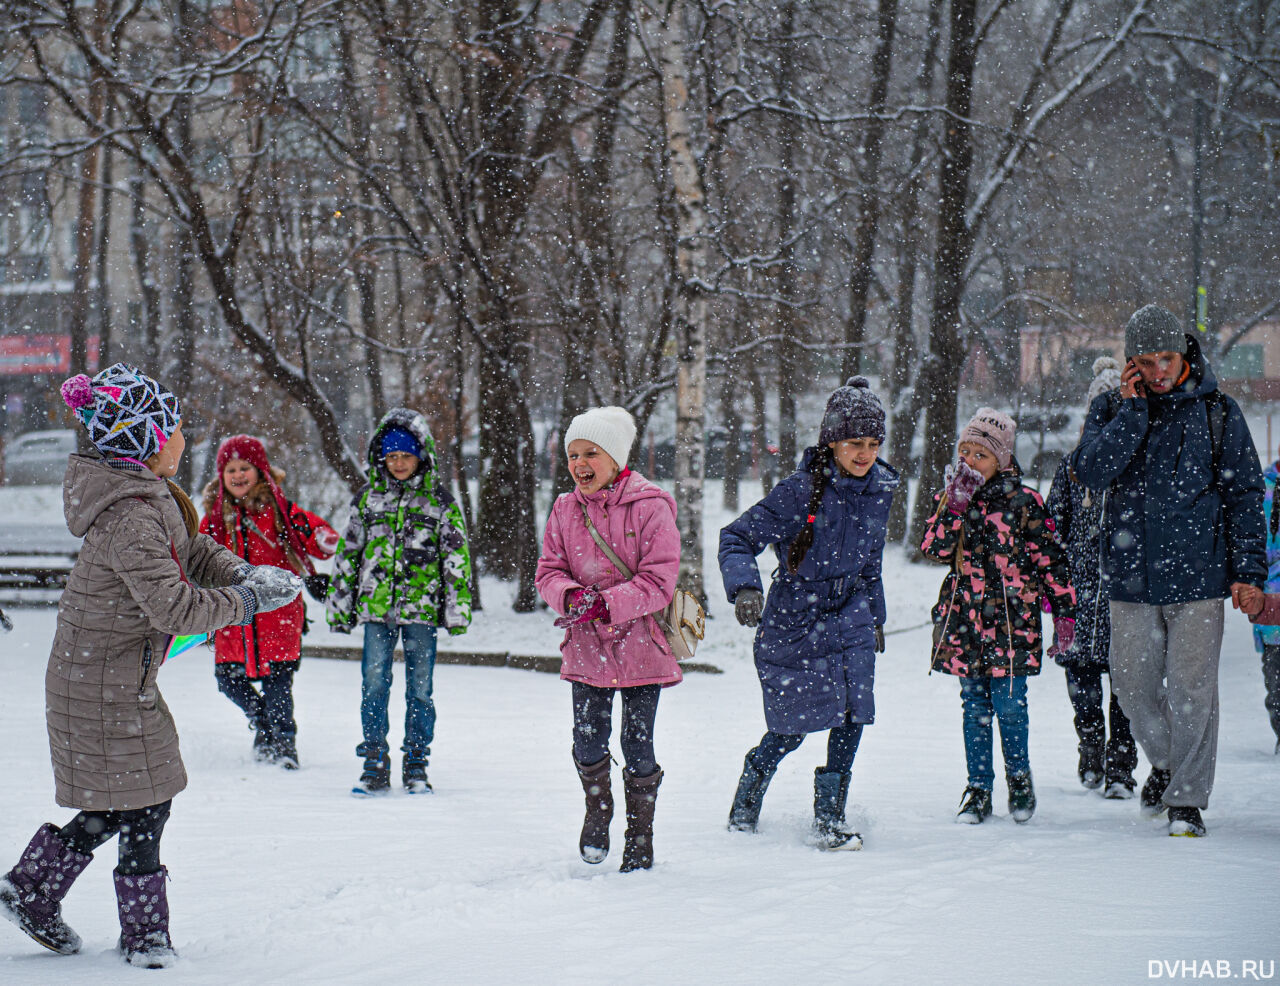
(815, 646)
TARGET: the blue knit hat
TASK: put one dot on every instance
(400, 440)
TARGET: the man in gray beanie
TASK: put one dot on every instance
(1182, 530)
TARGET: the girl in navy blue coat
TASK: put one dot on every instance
(821, 628)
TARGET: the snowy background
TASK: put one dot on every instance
(285, 878)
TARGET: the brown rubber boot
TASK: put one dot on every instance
(642, 799)
(593, 844)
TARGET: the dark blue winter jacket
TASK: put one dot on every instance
(1176, 528)
(815, 647)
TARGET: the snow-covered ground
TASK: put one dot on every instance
(285, 878)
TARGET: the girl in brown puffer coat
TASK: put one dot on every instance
(143, 576)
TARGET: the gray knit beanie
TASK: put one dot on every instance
(853, 411)
(1152, 329)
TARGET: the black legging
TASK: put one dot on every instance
(842, 746)
(593, 722)
(270, 709)
(140, 830)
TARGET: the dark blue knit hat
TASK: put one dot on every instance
(400, 440)
(853, 411)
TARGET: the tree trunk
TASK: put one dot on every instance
(183, 343)
(789, 327)
(951, 256)
(592, 182)
(86, 220)
(906, 396)
(869, 195)
(691, 302)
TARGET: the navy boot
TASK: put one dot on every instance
(830, 792)
(749, 798)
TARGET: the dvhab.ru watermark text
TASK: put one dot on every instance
(1255, 969)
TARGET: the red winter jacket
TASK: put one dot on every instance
(252, 529)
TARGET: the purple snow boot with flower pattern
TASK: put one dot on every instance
(144, 919)
(31, 893)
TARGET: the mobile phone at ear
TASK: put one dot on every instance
(1138, 387)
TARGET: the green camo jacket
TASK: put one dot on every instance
(403, 557)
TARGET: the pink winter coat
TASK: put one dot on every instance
(638, 521)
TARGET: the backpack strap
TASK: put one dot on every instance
(1215, 408)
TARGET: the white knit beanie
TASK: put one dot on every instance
(612, 428)
(1106, 376)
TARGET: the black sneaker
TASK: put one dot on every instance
(1185, 820)
(376, 779)
(1153, 791)
(1022, 797)
(975, 806)
(1090, 769)
(414, 776)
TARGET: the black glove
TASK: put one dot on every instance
(747, 606)
(879, 638)
(317, 586)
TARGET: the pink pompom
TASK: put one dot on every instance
(77, 391)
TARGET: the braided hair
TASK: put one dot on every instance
(820, 468)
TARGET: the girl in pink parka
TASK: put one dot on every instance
(612, 643)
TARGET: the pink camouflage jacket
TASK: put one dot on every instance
(638, 521)
(986, 622)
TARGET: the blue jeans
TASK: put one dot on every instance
(420, 711)
(985, 699)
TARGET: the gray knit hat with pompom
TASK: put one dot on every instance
(853, 411)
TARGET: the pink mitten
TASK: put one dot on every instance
(584, 605)
(1064, 635)
(962, 482)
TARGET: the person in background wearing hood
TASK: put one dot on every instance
(1183, 529)
(822, 626)
(144, 575)
(612, 641)
(1267, 637)
(247, 512)
(1106, 763)
(998, 539)
(403, 568)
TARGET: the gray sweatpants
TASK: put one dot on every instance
(1164, 667)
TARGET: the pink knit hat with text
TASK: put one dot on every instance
(993, 429)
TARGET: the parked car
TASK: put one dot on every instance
(38, 458)
(1045, 435)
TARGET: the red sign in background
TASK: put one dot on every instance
(27, 355)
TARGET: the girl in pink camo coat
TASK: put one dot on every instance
(612, 641)
(997, 538)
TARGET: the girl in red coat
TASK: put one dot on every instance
(246, 511)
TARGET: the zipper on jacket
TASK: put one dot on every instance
(146, 668)
(252, 631)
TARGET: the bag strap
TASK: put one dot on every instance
(608, 552)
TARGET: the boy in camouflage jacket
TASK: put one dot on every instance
(402, 570)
